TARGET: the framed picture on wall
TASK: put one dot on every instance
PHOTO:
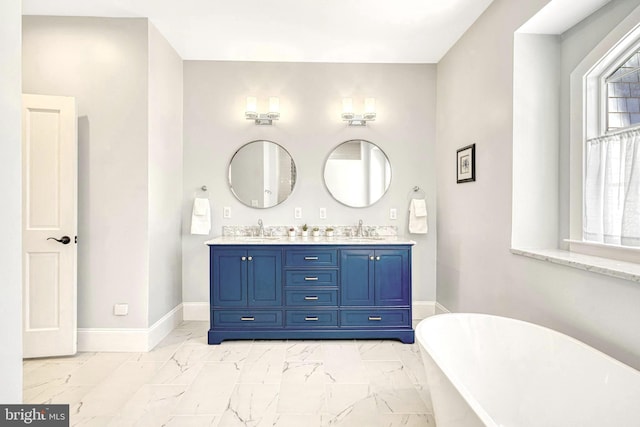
(466, 163)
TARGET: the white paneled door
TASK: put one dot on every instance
(49, 225)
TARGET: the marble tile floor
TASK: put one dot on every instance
(185, 382)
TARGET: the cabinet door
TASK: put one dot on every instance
(392, 280)
(356, 277)
(264, 268)
(229, 278)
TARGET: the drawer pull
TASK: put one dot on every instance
(247, 318)
(311, 279)
(377, 318)
(311, 318)
(311, 298)
(311, 258)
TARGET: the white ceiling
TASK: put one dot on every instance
(560, 15)
(376, 31)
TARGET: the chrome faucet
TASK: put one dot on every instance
(261, 228)
(359, 229)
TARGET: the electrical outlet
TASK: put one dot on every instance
(297, 213)
(393, 213)
(323, 213)
(120, 309)
(226, 212)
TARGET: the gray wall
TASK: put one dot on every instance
(310, 127)
(10, 220)
(127, 83)
(165, 176)
(103, 63)
(475, 269)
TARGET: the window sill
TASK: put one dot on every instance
(609, 267)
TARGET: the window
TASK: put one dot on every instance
(612, 155)
(551, 219)
(623, 95)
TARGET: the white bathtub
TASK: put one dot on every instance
(486, 370)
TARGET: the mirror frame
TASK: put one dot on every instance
(324, 168)
(294, 174)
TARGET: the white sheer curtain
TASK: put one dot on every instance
(612, 189)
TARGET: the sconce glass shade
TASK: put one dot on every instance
(251, 110)
(369, 108)
(274, 107)
(347, 109)
(358, 119)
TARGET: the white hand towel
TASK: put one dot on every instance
(418, 217)
(201, 216)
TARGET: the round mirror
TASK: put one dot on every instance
(357, 173)
(262, 174)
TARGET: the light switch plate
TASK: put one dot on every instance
(393, 213)
(226, 212)
(297, 213)
(323, 213)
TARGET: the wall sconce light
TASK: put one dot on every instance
(358, 119)
(251, 112)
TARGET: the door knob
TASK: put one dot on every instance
(65, 240)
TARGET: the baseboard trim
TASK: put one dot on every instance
(422, 309)
(129, 339)
(165, 325)
(196, 311)
(440, 309)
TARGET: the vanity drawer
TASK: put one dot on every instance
(311, 278)
(246, 318)
(311, 257)
(375, 318)
(311, 318)
(312, 297)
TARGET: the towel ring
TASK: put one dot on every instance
(417, 192)
(203, 188)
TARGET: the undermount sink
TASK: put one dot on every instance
(260, 239)
(365, 238)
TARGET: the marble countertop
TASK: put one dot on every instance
(609, 267)
(298, 240)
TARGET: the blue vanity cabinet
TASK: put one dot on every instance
(375, 289)
(245, 291)
(311, 287)
(307, 291)
(375, 277)
(250, 277)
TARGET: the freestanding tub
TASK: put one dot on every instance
(487, 370)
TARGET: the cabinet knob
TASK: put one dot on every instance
(244, 258)
(250, 258)
(371, 257)
(377, 258)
